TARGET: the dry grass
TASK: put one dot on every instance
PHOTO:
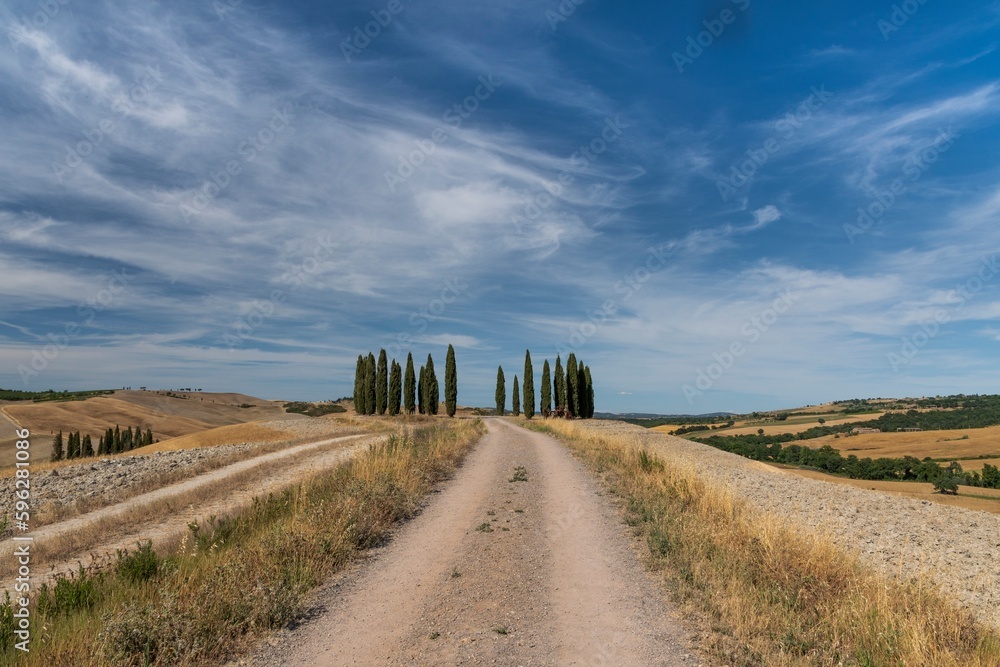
(223, 435)
(234, 579)
(936, 444)
(766, 592)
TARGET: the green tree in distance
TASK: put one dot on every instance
(410, 386)
(515, 400)
(395, 389)
(546, 407)
(559, 384)
(57, 447)
(382, 384)
(572, 388)
(433, 396)
(359, 386)
(422, 392)
(501, 392)
(370, 373)
(450, 383)
(529, 387)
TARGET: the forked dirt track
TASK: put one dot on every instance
(496, 570)
(287, 465)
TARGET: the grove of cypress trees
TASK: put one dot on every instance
(433, 395)
(450, 383)
(501, 393)
(546, 407)
(370, 374)
(395, 389)
(572, 389)
(57, 447)
(529, 386)
(515, 400)
(590, 393)
(559, 384)
(422, 392)
(382, 384)
(409, 386)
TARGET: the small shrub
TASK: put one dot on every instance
(68, 595)
(140, 565)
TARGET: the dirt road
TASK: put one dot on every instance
(518, 561)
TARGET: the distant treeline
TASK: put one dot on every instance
(828, 459)
(313, 409)
(114, 441)
(50, 395)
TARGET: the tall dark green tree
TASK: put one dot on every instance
(409, 386)
(57, 447)
(88, 446)
(559, 384)
(370, 374)
(572, 388)
(359, 386)
(382, 384)
(149, 436)
(515, 399)
(581, 384)
(422, 392)
(546, 407)
(72, 446)
(433, 396)
(116, 447)
(395, 389)
(450, 383)
(590, 393)
(501, 392)
(529, 386)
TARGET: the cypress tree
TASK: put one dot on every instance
(501, 393)
(57, 447)
(581, 386)
(546, 406)
(100, 446)
(590, 393)
(116, 446)
(572, 391)
(433, 395)
(395, 389)
(450, 383)
(370, 373)
(359, 386)
(71, 449)
(382, 384)
(149, 436)
(409, 386)
(515, 400)
(422, 392)
(127, 439)
(88, 446)
(529, 386)
(559, 385)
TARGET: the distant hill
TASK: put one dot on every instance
(650, 415)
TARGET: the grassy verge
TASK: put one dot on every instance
(769, 594)
(232, 579)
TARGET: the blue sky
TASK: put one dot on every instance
(728, 205)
